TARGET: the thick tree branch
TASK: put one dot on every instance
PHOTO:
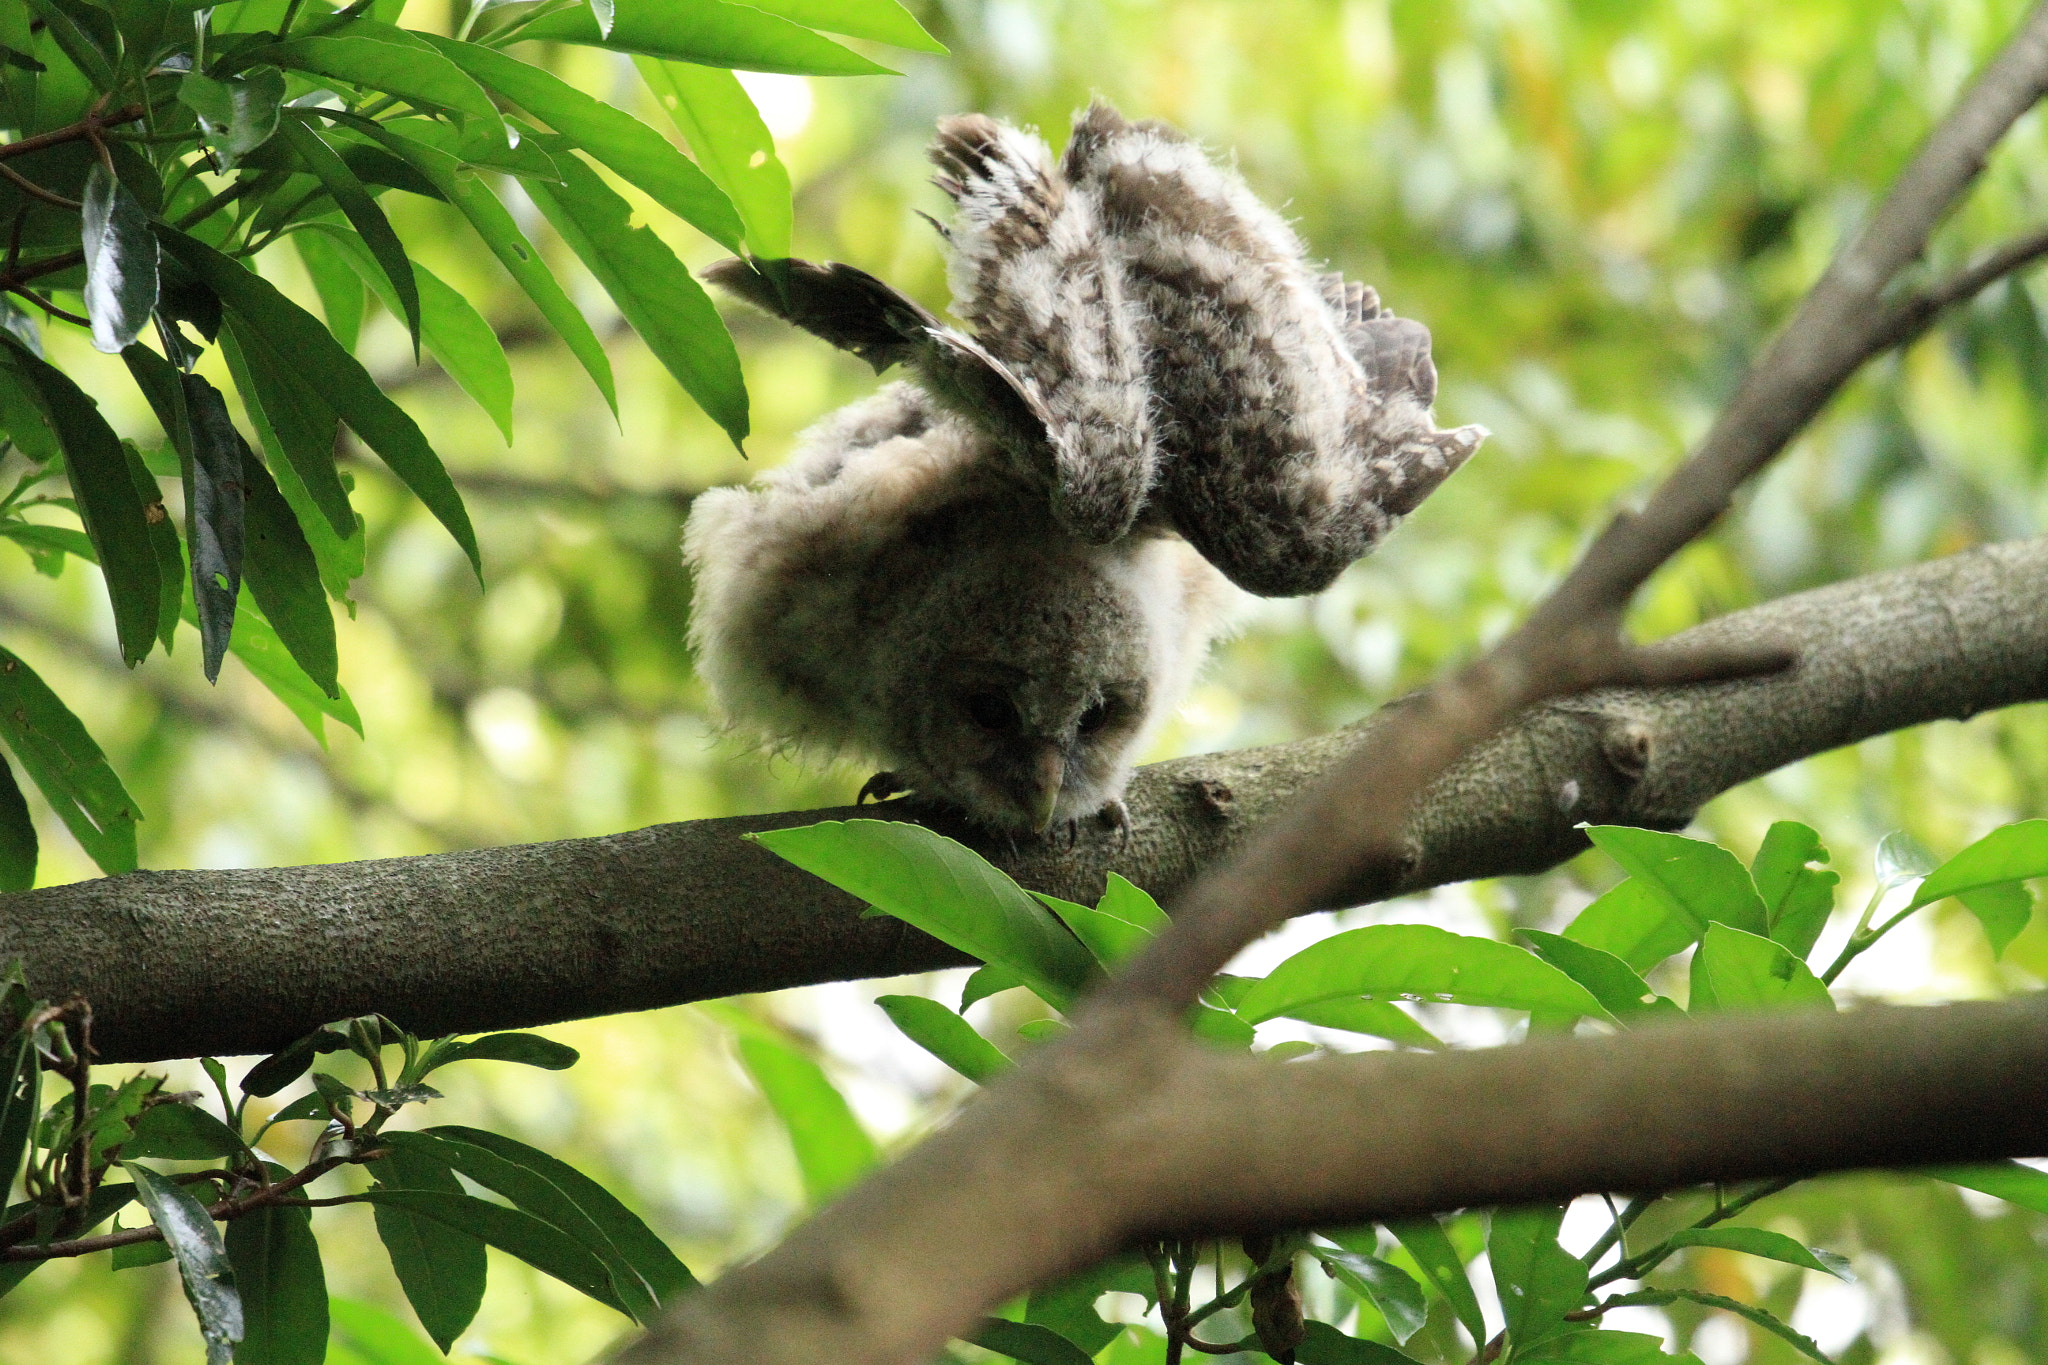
(243, 960)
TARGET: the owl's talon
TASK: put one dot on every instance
(1117, 817)
(880, 787)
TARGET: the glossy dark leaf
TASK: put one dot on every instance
(281, 1068)
(656, 292)
(216, 516)
(62, 760)
(465, 344)
(494, 224)
(107, 502)
(18, 851)
(271, 664)
(632, 1240)
(296, 423)
(23, 418)
(1028, 1342)
(1323, 1344)
(440, 1268)
(336, 376)
(342, 299)
(237, 114)
(709, 31)
(104, 1201)
(529, 1049)
(181, 1132)
(1797, 897)
(163, 539)
(285, 580)
(362, 212)
(546, 1249)
(120, 261)
(283, 1287)
(202, 1259)
(609, 134)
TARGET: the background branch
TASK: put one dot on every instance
(243, 960)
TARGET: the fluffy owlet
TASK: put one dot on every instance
(894, 591)
(1150, 350)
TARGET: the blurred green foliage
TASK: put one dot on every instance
(1599, 208)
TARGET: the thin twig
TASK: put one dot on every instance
(39, 301)
(32, 189)
(86, 128)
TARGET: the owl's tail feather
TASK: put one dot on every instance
(1001, 178)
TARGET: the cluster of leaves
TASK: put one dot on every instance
(259, 1291)
(1749, 929)
(161, 145)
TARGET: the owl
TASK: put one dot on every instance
(1150, 350)
(894, 591)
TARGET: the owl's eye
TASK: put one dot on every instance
(991, 711)
(1094, 718)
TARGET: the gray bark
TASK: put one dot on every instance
(225, 962)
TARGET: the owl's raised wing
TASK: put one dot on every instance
(884, 326)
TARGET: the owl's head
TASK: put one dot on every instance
(1030, 676)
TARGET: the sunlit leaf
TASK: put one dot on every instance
(120, 262)
(1373, 1018)
(1537, 1280)
(946, 889)
(528, 1049)
(945, 1035)
(1613, 982)
(1774, 1246)
(1416, 962)
(547, 1249)
(71, 771)
(716, 117)
(656, 292)
(2009, 1180)
(1701, 881)
(1797, 897)
(1734, 970)
(336, 282)
(832, 1149)
(362, 211)
(413, 72)
(884, 21)
(709, 31)
(284, 579)
(380, 1336)
(1427, 1242)
(2007, 855)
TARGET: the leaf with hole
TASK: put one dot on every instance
(1797, 896)
(203, 1265)
(237, 114)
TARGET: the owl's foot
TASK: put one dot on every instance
(1117, 816)
(881, 787)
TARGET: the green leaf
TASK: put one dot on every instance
(283, 1287)
(2003, 908)
(1613, 982)
(1029, 1342)
(215, 516)
(716, 117)
(19, 1091)
(1605, 1348)
(1390, 1289)
(18, 851)
(884, 21)
(1775, 1246)
(120, 262)
(1538, 1281)
(2008, 854)
(1374, 1018)
(440, 1267)
(945, 1035)
(336, 282)
(62, 760)
(710, 32)
(832, 1149)
(528, 1049)
(379, 1335)
(237, 114)
(271, 664)
(202, 1261)
(361, 210)
(1322, 1344)
(1416, 962)
(547, 1249)
(629, 1237)
(333, 373)
(495, 226)
(181, 1132)
(413, 72)
(1804, 1345)
(610, 135)
(1734, 970)
(1797, 897)
(1108, 936)
(107, 503)
(281, 1068)
(455, 332)
(2008, 1180)
(69, 27)
(1700, 881)
(1068, 1306)
(163, 538)
(284, 579)
(104, 1201)
(983, 982)
(532, 1192)
(656, 292)
(1431, 1247)
(945, 889)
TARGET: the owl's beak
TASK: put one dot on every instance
(1048, 772)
